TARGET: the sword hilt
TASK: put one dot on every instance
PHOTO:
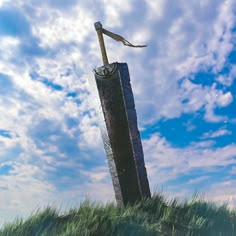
(98, 27)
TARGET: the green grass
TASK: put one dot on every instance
(155, 216)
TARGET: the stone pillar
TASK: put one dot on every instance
(118, 124)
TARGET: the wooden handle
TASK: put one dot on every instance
(98, 27)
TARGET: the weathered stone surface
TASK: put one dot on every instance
(121, 138)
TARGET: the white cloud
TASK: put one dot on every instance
(90, 134)
(58, 28)
(225, 80)
(218, 20)
(197, 180)
(113, 11)
(215, 134)
(216, 98)
(8, 46)
(23, 191)
(203, 144)
(223, 192)
(225, 99)
(233, 170)
(165, 162)
(155, 9)
(97, 174)
(2, 2)
(179, 49)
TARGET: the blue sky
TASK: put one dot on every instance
(184, 86)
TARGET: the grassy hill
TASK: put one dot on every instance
(155, 216)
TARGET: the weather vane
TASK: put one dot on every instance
(117, 37)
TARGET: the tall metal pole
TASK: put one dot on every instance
(98, 27)
(118, 125)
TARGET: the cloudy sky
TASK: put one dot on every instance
(51, 151)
